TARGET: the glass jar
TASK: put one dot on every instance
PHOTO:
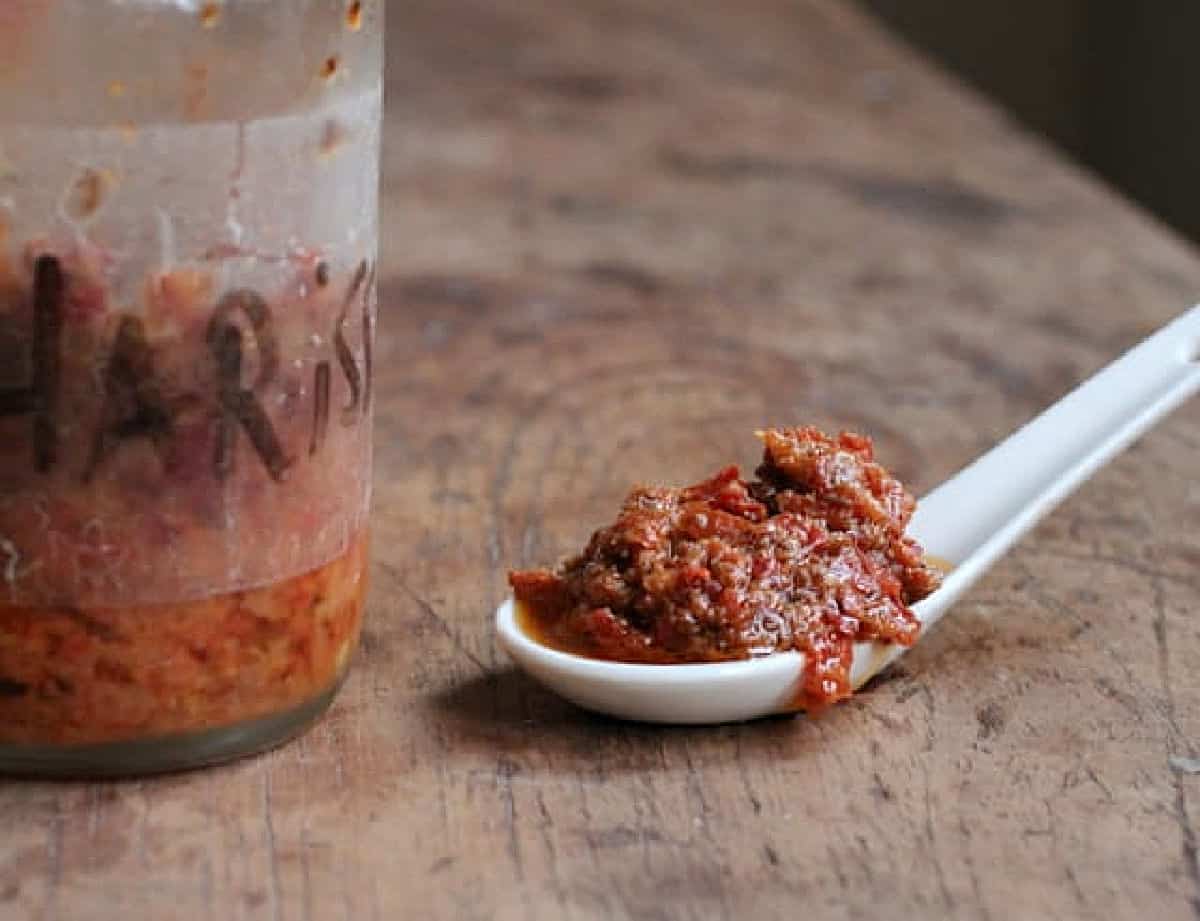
(188, 230)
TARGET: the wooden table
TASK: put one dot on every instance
(619, 234)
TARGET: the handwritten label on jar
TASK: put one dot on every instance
(138, 403)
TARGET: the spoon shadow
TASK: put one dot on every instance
(506, 717)
(506, 712)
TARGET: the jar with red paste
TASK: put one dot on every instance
(188, 234)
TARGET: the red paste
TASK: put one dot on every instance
(810, 556)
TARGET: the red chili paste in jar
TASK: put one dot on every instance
(810, 556)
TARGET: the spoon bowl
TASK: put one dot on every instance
(970, 521)
(698, 693)
(705, 693)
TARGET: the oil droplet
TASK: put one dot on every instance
(116, 89)
(333, 137)
(210, 15)
(354, 16)
(940, 564)
(329, 68)
(195, 98)
(88, 193)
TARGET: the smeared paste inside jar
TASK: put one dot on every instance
(810, 556)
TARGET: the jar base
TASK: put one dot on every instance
(162, 754)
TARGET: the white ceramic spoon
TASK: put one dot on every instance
(970, 520)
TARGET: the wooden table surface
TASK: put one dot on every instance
(619, 235)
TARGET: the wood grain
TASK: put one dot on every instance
(619, 235)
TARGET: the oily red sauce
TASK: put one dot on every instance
(74, 675)
(811, 556)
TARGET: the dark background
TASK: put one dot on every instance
(1109, 82)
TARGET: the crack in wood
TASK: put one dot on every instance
(1175, 741)
(440, 622)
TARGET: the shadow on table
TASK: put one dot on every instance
(506, 713)
(503, 698)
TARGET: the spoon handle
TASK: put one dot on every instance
(985, 508)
